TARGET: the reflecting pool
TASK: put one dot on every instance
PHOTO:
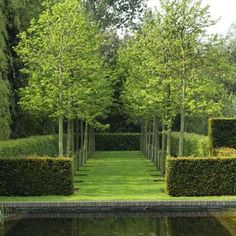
(123, 224)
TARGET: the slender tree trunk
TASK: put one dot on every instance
(89, 141)
(81, 142)
(60, 143)
(182, 111)
(142, 137)
(153, 140)
(146, 138)
(73, 137)
(181, 133)
(86, 141)
(72, 145)
(77, 135)
(163, 150)
(168, 146)
(149, 139)
(81, 134)
(61, 129)
(94, 141)
(157, 144)
(68, 139)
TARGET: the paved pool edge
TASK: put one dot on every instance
(115, 206)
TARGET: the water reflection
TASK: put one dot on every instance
(190, 224)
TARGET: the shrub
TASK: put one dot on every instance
(35, 176)
(194, 144)
(39, 145)
(201, 176)
(117, 141)
(222, 133)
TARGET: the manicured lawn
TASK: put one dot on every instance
(121, 175)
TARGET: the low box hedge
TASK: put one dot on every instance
(222, 133)
(46, 145)
(34, 176)
(117, 141)
(201, 176)
(194, 144)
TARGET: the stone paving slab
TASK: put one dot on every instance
(113, 206)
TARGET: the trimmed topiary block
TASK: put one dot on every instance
(117, 141)
(35, 176)
(222, 133)
(201, 176)
(46, 145)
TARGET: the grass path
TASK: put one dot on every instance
(117, 175)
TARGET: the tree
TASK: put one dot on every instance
(5, 116)
(5, 64)
(186, 22)
(61, 53)
(171, 67)
(150, 91)
(15, 16)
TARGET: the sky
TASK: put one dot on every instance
(223, 9)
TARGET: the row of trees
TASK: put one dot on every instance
(169, 67)
(15, 16)
(173, 67)
(67, 76)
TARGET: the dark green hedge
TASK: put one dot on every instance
(194, 145)
(201, 176)
(36, 176)
(39, 145)
(117, 141)
(222, 133)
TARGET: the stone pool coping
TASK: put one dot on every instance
(115, 206)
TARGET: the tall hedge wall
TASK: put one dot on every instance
(117, 141)
(201, 176)
(222, 133)
(194, 145)
(35, 176)
(39, 145)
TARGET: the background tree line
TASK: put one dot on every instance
(112, 17)
(15, 17)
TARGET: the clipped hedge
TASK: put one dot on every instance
(39, 145)
(222, 133)
(117, 141)
(36, 176)
(201, 176)
(194, 144)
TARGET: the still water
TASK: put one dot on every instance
(155, 224)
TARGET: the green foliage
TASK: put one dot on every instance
(61, 54)
(15, 16)
(230, 106)
(117, 141)
(201, 176)
(39, 145)
(5, 116)
(222, 133)
(150, 88)
(197, 125)
(166, 65)
(194, 144)
(33, 125)
(34, 176)
(116, 13)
